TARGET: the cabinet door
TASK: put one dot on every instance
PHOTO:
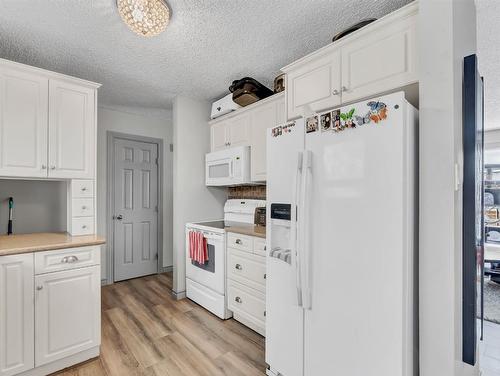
(71, 131)
(16, 314)
(23, 124)
(67, 307)
(379, 62)
(314, 86)
(218, 133)
(239, 130)
(262, 118)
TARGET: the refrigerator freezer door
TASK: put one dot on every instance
(284, 315)
(360, 199)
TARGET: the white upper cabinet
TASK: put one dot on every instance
(47, 124)
(71, 130)
(315, 86)
(239, 131)
(262, 118)
(380, 61)
(23, 123)
(379, 58)
(218, 134)
(17, 351)
(231, 132)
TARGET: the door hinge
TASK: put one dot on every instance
(171, 147)
(156, 161)
(156, 208)
(156, 256)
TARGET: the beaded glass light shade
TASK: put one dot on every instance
(145, 17)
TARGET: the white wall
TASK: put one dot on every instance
(39, 206)
(447, 34)
(193, 201)
(142, 122)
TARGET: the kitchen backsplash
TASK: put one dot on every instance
(257, 192)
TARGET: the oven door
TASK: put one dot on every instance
(219, 172)
(212, 273)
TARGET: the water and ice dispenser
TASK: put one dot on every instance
(281, 232)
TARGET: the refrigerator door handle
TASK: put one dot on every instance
(305, 232)
(295, 228)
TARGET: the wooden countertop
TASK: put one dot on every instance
(252, 230)
(44, 241)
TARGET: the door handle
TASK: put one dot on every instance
(119, 217)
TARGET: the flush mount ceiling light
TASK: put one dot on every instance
(145, 17)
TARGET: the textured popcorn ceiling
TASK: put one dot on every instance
(208, 43)
(488, 46)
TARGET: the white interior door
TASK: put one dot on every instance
(17, 352)
(23, 124)
(360, 240)
(68, 313)
(136, 209)
(71, 131)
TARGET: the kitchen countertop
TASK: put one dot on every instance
(252, 230)
(44, 241)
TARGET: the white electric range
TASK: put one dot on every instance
(206, 283)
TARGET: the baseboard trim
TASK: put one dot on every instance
(166, 269)
(178, 295)
(58, 365)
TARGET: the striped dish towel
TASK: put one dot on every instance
(198, 247)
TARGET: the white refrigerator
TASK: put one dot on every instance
(342, 238)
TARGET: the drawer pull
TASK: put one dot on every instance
(69, 259)
(84, 189)
(238, 266)
(238, 300)
(39, 288)
(265, 275)
(84, 227)
(238, 241)
(84, 207)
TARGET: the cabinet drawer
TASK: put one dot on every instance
(247, 269)
(82, 188)
(259, 246)
(251, 305)
(65, 259)
(241, 242)
(82, 207)
(82, 226)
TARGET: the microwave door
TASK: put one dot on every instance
(219, 172)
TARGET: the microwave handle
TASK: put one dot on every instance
(231, 172)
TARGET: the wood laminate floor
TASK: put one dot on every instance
(146, 332)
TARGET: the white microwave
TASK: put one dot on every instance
(228, 167)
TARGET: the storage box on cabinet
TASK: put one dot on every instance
(81, 204)
(376, 59)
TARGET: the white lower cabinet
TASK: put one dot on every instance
(16, 314)
(50, 318)
(246, 284)
(67, 311)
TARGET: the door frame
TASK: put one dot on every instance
(110, 185)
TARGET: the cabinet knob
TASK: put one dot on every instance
(44, 167)
(238, 266)
(265, 276)
(52, 167)
(39, 288)
(238, 241)
(238, 300)
(84, 207)
(336, 92)
(344, 89)
(84, 189)
(84, 226)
